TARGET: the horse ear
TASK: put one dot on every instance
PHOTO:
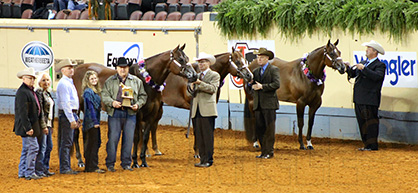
(336, 42)
(182, 47)
(175, 49)
(233, 49)
(329, 42)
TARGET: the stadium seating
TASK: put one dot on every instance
(74, 14)
(161, 16)
(189, 16)
(199, 8)
(61, 15)
(174, 16)
(148, 16)
(6, 9)
(136, 15)
(84, 15)
(27, 14)
(199, 17)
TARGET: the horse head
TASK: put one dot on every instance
(238, 62)
(179, 64)
(333, 57)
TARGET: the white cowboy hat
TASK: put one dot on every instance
(205, 56)
(64, 63)
(375, 45)
(26, 72)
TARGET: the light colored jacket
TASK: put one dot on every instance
(111, 89)
(206, 95)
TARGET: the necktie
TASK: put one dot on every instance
(367, 63)
(201, 76)
(262, 71)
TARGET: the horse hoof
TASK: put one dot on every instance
(310, 147)
(158, 153)
(256, 145)
(144, 165)
(81, 165)
(302, 148)
(135, 165)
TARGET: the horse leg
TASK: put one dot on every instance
(137, 136)
(300, 110)
(77, 148)
(154, 141)
(312, 111)
(144, 147)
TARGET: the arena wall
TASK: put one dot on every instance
(84, 40)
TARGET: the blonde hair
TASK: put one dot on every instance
(86, 83)
(39, 79)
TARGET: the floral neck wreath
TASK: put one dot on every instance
(308, 72)
(148, 77)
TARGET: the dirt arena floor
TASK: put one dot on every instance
(334, 166)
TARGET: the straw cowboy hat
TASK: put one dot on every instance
(264, 51)
(204, 56)
(26, 72)
(64, 63)
(375, 45)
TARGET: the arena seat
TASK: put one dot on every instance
(161, 16)
(174, 16)
(189, 16)
(160, 7)
(136, 15)
(84, 15)
(26, 4)
(212, 2)
(186, 8)
(61, 15)
(27, 14)
(122, 10)
(199, 17)
(75, 14)
(199, 8)
(148, 16)
(133, 5)
(16, 7)
(6, 9)
(198, 2)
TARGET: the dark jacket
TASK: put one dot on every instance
(266, 98)
(368, 84)
(91, 109)
(45, 105)
(26, 113)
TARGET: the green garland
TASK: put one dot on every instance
(295, 19)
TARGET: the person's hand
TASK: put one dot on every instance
(74, 125)
(359, 66)
(197, 82)
(96, 126)
(135, 107)
(116, 104)
(30, 132)
(45, 130)
(257, 86)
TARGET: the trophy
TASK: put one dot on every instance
(127, 95)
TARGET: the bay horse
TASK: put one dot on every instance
(175, 93)
(296, 87)
(158, 67)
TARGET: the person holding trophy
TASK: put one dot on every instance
(123, 95)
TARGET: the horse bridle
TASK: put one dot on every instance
(333, 60)
(239, 69)
(172, 59)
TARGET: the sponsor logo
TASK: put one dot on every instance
(401, 68)
(37, 55)
(131, 51)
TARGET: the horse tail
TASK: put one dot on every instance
(249, 122)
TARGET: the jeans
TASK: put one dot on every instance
(91, 150)
(120, 121)
(73, 6)
(48, 150)
(39, 165)
(27, 158)
(66, 142)
(60, 5)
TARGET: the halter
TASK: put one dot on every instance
(326, 55)
(172, 59)
(308, 72)
(239, 69)
(148, 79)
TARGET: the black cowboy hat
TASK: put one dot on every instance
(264, 51)
(123, 62)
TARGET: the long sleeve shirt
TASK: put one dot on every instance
(67, 99)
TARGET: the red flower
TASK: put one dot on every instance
(147, 79)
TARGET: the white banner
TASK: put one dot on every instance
(401, 68)
(247, 47)
(132, 51)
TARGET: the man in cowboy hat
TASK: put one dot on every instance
(28, 123)
(204, 110)
(367, 92)
(121, 118)
(68, 104)
(265, 83)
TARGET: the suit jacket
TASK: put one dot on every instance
(266, 98)
(368, 84)
(206, 95)
(26, 113)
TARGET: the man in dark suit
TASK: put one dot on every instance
(265, 83)
(204, 110)
(367, 92)
(28, 123)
